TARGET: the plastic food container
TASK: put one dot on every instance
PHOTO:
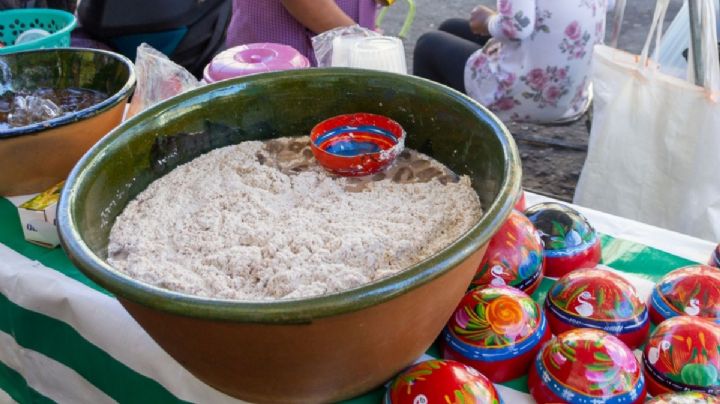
(13, 23)
(252, 59)
(384, 53)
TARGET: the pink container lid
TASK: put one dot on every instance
(253, 58)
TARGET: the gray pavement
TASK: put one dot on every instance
(552, 155)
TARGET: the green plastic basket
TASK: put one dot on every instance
(14, 22)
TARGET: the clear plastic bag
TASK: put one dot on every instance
(323, 43)
(158, 78)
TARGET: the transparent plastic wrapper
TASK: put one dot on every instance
(343, 38)
(158, 78)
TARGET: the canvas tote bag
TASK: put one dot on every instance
(654, 150)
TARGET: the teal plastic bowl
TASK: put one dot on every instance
(14, 22)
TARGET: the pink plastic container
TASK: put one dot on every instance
(251, 59)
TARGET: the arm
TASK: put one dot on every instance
(317, 15)
(515, 19)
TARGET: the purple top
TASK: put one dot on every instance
(267, 21)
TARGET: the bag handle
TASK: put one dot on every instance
(618, 17)
(656, 29)
(710, 56)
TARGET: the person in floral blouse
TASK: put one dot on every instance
(528, 61)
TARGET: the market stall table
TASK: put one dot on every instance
(65, 339)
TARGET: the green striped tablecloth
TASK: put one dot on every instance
(65, 339)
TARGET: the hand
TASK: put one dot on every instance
(479, 18)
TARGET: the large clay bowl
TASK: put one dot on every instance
(38, 156)
(308, 350)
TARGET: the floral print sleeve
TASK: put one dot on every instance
(515, 20)
(537, 66)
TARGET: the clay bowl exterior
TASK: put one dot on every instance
(496, 330)
(38, 156)
(570, 242)
(688, 291)
(514, 257)
(434, 381)
(586, 366)
(596, 298)
(681, 355)
(307, 350)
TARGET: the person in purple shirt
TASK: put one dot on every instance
(294, 22)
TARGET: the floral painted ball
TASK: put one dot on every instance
(586, 366)
(597, 298)
(438, 381)
(496, 330)
(691, 291)
(514, 256)
(682, 354)
(687, 397)
(521, 204)
(570, 242)
(715, 258)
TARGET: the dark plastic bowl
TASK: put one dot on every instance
(307, 350)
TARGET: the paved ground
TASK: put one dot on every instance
(552, 156)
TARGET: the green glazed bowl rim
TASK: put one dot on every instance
(97, 109)
(290, 311)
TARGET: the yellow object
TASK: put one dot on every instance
(38, 217)
(386, 3)
(45, 199)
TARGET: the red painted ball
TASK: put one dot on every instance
(690, 291)
(570, 242)
(496, 330)
(586, 366)
(514, 256)
(597, 298)
(681, 355)
(441, 381)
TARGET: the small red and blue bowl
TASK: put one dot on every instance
(354, 145)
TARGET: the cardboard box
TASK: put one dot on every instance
(38, 217)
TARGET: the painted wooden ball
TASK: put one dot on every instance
(681, 355)
(441, 381)
(597, 298)
(570, 242)
(691, 291)
(514, 256)
(687, 397)
(521, 204)
(715, 258)
(586, 365)
(496, 330)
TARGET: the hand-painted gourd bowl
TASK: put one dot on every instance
(357, 144)
(570, 242)
(597, 298)
(317, 349)
(496, 330)
(687, 397)
(586, 366)
(715, 258)
(682, 354)
(441, 381)
(514, 257)
(690, 291)
(37, 156)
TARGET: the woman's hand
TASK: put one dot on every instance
(479, 18)
(318, 15)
